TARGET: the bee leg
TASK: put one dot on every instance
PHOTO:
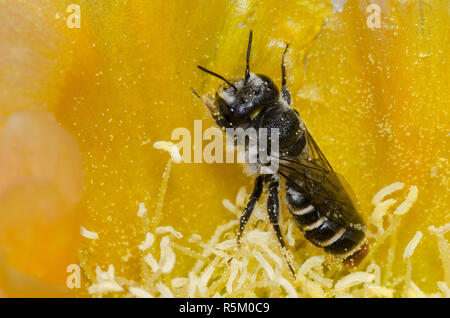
(273, 208)
(284, 88)
(207, 102)
(254, 197)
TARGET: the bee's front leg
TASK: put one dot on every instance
(284, 88)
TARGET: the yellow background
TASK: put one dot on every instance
(376, 102)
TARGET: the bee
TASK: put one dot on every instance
(315, 195)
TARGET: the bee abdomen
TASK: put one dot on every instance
(346, 242)
(323, 232)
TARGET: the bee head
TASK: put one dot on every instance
(247, 101)
(241, 101)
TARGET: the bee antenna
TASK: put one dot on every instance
(217, 75)
(247, 70)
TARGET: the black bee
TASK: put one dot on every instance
(315, 195)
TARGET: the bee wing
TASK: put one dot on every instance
(316, 180)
